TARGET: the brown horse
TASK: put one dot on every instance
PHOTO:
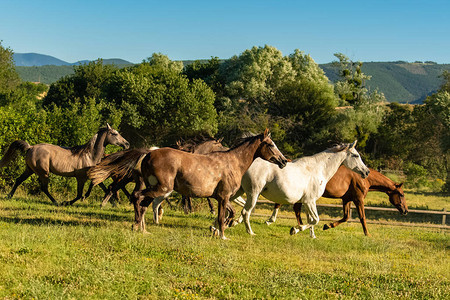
(44, 159)
(201, 147)
(350, 187)
(217, 174)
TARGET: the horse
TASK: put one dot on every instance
(199, 145)
(44, 159)
(303, 180)
(217, 174)
(350, 187)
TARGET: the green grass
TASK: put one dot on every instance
(82, 252)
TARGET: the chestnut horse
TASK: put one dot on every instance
(44, 159)
(350, 187)
(217, 174)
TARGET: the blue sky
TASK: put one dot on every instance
(133, 30)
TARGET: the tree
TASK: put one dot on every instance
(9, 78)
(88, 81)
(366, 113)
(160, 104)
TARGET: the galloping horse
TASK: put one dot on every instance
(350, 187)
(303, 180)
(199, 147)
(217, 174)
(44, 159)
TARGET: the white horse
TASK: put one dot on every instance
(303, 180)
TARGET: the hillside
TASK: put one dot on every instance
(399, 81)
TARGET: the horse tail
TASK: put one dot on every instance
(120, 165)
(12, 149)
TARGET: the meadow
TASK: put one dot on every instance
(80, 252)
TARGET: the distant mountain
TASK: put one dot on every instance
(400, 81)
(36, 60)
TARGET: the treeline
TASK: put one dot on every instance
(159, 101)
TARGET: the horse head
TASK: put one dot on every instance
(354, 162)
(269, 151)
(397, 198)
(113, 137)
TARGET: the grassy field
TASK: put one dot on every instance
(82, 252)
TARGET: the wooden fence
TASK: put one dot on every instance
(443, 212)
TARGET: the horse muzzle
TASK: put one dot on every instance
(281, 162)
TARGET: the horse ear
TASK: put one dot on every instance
(399, 185)
(266, 133)
(220, 140)
(107, 126)
(352, 145)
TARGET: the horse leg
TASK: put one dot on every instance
(222, 205)
(346, 207)
(241, 202)
(27, 173)
(252, 198)
(156, 204)
(44, 187)
(273, 217)
(186, 202)
(297, 211)
(313, 219)
(362, 215)
(88, 193)
(211, 206)
(230, 222)
(80, 185)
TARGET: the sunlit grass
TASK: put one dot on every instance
(83, 251)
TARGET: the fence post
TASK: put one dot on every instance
(444, 216)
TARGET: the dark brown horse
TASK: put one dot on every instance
(350, 187)
(44, 159)
(217, 174)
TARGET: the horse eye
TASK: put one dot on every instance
(355, 155)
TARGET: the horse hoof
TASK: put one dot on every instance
(214, 230)
(294, 231)
(268, 222)
(325, 227)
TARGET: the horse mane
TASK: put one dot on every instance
(338, 147)
(85, 148)
(190, 144)
(245, 138)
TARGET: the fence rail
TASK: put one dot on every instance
(443, 212)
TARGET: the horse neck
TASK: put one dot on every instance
(97, 146)
(245, 154)
(329, 162)
(379, 182)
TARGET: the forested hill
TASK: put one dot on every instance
(400, 81)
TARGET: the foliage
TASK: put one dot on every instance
(88, 81)
(9, 78)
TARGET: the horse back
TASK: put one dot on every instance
(58, 160)
(345, 181)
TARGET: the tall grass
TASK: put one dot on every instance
(81, 252)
